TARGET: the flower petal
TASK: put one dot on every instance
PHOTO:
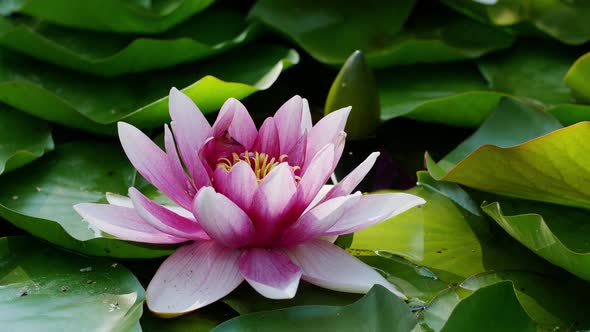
(270, 272)
(272, 199)
(326, 265)
(318, 220)
(222, 219)
(305, 117)
(373, 209)
(152, 163)
(327, 130)
(190, 128)
(165, 220)
(315, 176)
(120, 200)
(352, 180)
(123, 223)
(176, 165)
(288, 122)
(193, 277)
(268, 139)
(239, 184)
(235, 119)
(297, 154)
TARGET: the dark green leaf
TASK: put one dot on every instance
(106, 54)
(95, 104)
(577, 78)
(39, 198)
(109, 15)
(44, 289)
(330, 31)
(379, 310)
(22, 139)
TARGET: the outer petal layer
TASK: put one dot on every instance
(222, 219)
(193, 277)
(373, 209)
(123, 223)
(288, 122)
(352, 180)
(328, 266)
(270, 272)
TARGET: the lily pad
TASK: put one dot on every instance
(556, 233)
(43, 289)
(475, 312)
(534, 70)
(375, 27)
(562, 20)
(39, 198)
(110, 15)
(106, 54)
(23, 139)
(577, 78)
(94, 104)
(379, 310)
(202, 320)
(544, 169)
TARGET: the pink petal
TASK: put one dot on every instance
(165, 220)
(120, 200)
(271, 201)
(174, 160)
(123, 223)
(288, 122)
(222, 219)
(373, 209)
(318, 220)
(152, 163)
(305, 117)
(328, 266)
(270, 272)
(190, 128)
(194, 276)
(297, 154)
(315, 176)
(352, 180)
(268, 139)
(235, 119)
(327, 130)
(239, 184)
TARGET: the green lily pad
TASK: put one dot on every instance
(556, 233)
(202, 320)
(39, 198)
(491, 308)
(376, 29)
(95, 104)
(534, 70)
(545, 169)
(110, 15)
(451, 242)
(106, 54)
(44, 289)
(22, 139)
(546, 300)
(577, 78)
(379, 310)
(562, 20)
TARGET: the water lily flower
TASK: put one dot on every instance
(251, 205)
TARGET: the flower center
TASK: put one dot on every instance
(261, 163)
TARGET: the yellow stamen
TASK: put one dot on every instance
(262, 164)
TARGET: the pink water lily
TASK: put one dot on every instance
(252, 205)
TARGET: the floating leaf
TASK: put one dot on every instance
(376, 29)
(562, 20)
(379, 310)
(110, 15)
(39, 198)
(202, 320)
(43, 289)
(531, 70)
(94, 104)
(108, 54)
(491, 308)
(556, 233)
(22, 139)
(545, 169)
(577, 78)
